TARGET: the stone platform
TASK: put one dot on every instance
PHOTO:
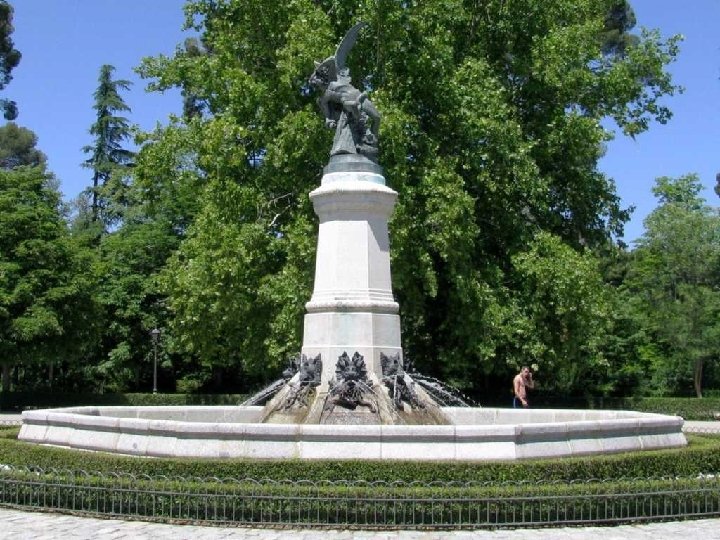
(477, 434)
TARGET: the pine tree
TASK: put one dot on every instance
(18, 147)
(107, 156)
(9, 58)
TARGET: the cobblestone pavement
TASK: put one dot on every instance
(16, 525)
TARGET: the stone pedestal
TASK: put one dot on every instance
(352, 308)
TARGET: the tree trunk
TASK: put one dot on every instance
(51, 372)
(697, 377)
(94, 203)
(6, 377)
(217, 378)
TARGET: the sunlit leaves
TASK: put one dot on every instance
(674, 279)
(491, 133)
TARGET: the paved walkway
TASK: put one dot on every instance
(694, 426)
(16, 525)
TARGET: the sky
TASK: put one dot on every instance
(64, 43)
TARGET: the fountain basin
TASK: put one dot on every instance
(477, 434)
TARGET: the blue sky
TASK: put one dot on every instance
(64, 43)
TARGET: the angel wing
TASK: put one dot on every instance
(346, 44)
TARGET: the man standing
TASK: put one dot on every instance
(521, 383)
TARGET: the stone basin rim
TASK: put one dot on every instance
(536, 433)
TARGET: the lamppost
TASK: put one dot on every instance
(155, 333)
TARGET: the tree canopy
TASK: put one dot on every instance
(18, 147)
(39, 270)
(503, 246)
(674, 280)
(9, 58)
(491, 134)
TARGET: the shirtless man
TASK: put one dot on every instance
(521, 383)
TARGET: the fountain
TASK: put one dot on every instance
(348, 395)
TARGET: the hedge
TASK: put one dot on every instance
(17, 401)
(702, 456)
(375, 494)
(368, 506)
(688, 408)
(377, 505)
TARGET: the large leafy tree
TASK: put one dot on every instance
(491, 134)
(40, 278)
(9, 58)
(108, 158)
(128, 260)
(674, 282)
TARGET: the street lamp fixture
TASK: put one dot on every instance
(155, 334)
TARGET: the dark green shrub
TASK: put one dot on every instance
(701, 456)
(688, 408)
(17, 401)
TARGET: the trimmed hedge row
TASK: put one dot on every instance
(688, 408)
(702, 456)
(377, 505)
(602, 489)
(411, 495)
(17, 401)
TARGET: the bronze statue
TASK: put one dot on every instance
(353, 116)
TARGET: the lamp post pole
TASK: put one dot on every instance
(155, 333)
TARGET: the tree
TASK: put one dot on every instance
(38, 271)
(18, 147)
(9, 58)
(491, 134)
(565, 314)
(108, 159)
(131, 300)
(619, 20)
(674, 276)
(192, 105)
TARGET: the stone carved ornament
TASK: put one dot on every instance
(394, 378)
(300, 391)
(350, 388)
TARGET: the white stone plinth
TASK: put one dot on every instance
(236, 432)
(352, 308)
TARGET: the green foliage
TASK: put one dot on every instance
(567, 316)
(17, 147)
(491, 134)
(673, 284)
(428, 505)
(700, 457)
(9, 58)
(705, 409)
(108, 158)
(42, 399)
(381, 504)
(129, 295)
(40, 287)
